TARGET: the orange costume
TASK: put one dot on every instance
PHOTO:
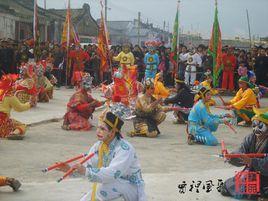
(160, 91)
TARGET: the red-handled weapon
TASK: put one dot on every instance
(56, 165)
(69, 172)
(226, 155)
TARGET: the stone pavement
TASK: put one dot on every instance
(54, 110)
(166, 161)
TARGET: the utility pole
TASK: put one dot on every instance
(249, 32)
(45, 7)
(106, 8)
(139, 28)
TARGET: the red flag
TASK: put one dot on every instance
(69, 35)
(103, 48)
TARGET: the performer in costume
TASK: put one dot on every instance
(183, 98)
(256, 142)
(26, 87)
(193, 62)
(11, 128)
(149, 113)
(259, 90)
(201, 123)
(79, 57)
(160, 91)
(81, 107)
(229, 64)
(243, 102)
(125, 57)
(207, 83)
(114, 169)
(7, 181)
(44, 87)
(151, 60)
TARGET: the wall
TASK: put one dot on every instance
(7, 26)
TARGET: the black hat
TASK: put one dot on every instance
(113, 121)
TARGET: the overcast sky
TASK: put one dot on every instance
(195, 15)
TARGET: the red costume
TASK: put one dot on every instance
(78, 57)
(79, 109)
(229, 64)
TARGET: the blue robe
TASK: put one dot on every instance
(151, 61)
(202, 123)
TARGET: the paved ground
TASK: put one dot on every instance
(166, 161)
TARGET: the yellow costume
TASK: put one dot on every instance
(125, 58)
(160, 91)
(8, 125)
(243, 103)
(25, 89)
(212, 91)
(147, 117)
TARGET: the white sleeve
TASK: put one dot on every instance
(119, 165)
(93, 162)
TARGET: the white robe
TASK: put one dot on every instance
(120, 176)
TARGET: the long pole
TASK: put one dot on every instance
(178, 39)
(45, 8)
(249, 32)
(68, 42)
(139, 28)
(105, 8)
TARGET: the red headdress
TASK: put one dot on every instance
(6, 83)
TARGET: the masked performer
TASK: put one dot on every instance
(149, 113)
(151, 60)
(182, 98)
(201, 123)
(160, 91)
(7, 181)
(10, 128)
(26, 86)
(44, 87)
(257, 142)
(114, 169)
(243, 102)
(81, 107)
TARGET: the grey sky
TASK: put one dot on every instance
(195, 15)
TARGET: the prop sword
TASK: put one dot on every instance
(69, 172)
(56, 165)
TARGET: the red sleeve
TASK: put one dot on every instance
(72, 54)
(87, 57)
(82, 107)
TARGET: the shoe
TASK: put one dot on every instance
(65, 127)
(15, 184)
(224, 191)
(15, 137)
(190, 140)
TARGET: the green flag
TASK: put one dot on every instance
(174, 49)
(215, 49)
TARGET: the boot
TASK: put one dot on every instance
(14, 184)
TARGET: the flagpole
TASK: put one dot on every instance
(249, 32)
(67, 42)
(178, 38)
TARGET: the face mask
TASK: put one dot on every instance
(259, 127)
